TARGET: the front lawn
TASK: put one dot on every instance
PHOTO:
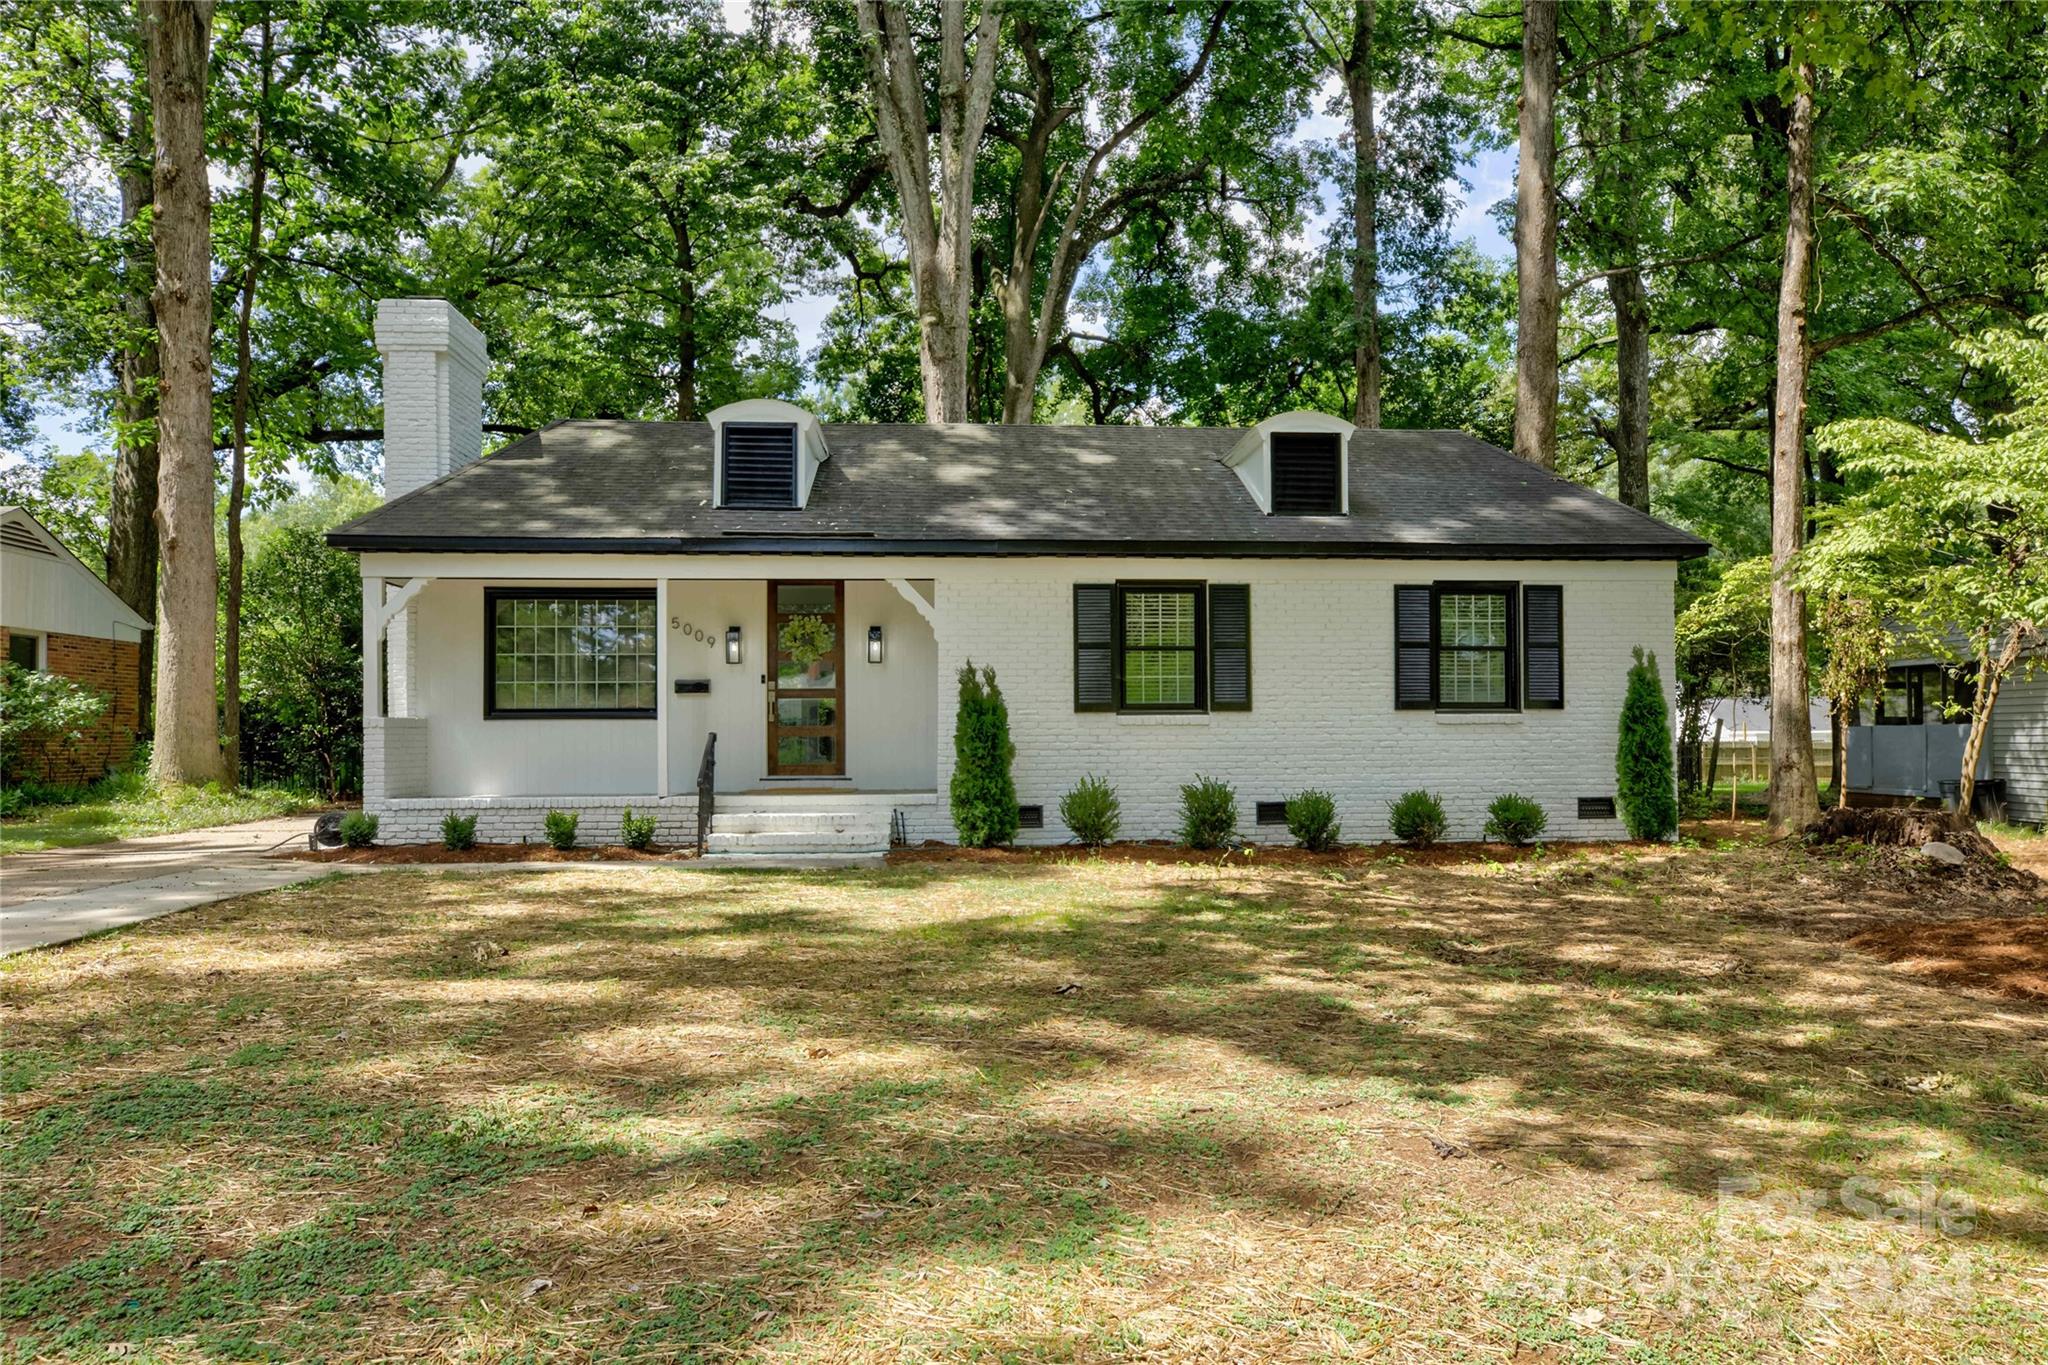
(126, 805)
(1627, 1105)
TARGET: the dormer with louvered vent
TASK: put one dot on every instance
(766, 455)
(1296, 465)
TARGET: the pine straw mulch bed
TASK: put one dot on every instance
(404, 854)
(1165, 854)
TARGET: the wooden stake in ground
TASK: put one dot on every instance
(1536, 241)
(177, 36)
(1794, 802)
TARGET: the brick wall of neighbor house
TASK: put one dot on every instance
(109, 666)
(1323, 710)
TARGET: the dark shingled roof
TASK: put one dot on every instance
(645, 487)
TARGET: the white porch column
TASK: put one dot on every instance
(662, 687)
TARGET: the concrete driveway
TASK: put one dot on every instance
(65, 893)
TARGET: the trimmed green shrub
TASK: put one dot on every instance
(1208, 814)
(983, 793)
(1092, 811)
(358, 829)
(1312, 820)
(559, 828)
(636, 831)
(43, 714)
(458, 832)
(1515, 819)
(1417, 818)
(1645, 785)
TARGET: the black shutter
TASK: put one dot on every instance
(1305, 472)
(1414, 666)
(1543, 647)
(1230, 647)
(759, 464)
(1094, 647)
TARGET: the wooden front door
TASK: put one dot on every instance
(806, 679)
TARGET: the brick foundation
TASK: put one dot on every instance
(112, 667)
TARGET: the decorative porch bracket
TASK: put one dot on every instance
(378, 614)
(916, 599)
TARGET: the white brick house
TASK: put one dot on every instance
(567, 623)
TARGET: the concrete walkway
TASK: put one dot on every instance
(60, 894)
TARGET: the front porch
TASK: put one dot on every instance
(506, 697)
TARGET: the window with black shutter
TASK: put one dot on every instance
(1414, 655)
(1230, 646)
(1306, 468)
(758, 465)
(1543, 647)
(1095, 647)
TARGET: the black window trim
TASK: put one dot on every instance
(1511, 650)
(1200, 589)
(493, 595)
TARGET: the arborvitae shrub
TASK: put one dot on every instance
(1312, 820)
(1417, 818)
(984, 795)
(1091, 810)
(1645, 787)
(1208, 814)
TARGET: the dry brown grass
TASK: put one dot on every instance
(1289, 1113)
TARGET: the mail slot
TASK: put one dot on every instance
(692, 685)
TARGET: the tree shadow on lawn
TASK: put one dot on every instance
(693, 1100)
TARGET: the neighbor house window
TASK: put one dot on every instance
(570, 653)
(1924, 694)
(1456, 648)
(25, 651)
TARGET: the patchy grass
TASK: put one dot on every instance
(127, 804)
(1633, 1105)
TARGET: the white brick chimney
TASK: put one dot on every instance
(433, 391)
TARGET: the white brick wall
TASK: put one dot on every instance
(520, 819)
(434, 363)
(1322, 694)
(394, 759)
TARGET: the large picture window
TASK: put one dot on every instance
(569, 653)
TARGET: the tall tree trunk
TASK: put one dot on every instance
(686, 319)
(1365, 248)
(1992, 668)
(177, 35)
(1632, 386)
(131, 519)
(1536, 240)
(939, 244)
(238, 478)
(1794, 801)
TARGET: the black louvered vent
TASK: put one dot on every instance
(1305, 466)
(1272, 812)
(1414, 687)
(759, 465)
(1031, 817)
(1596, 808)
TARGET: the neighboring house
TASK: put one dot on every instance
(1300, 604)
(57, 616)
(1909, 746)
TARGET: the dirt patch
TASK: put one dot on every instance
(2008, 956)
(494, 853)
(1261, 855)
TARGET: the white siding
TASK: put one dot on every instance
(55, 593)
(2019, 745)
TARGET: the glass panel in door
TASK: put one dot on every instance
(806, 722)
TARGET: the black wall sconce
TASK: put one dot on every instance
(732, 644)
(874, 644)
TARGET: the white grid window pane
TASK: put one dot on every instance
(1159, 618)
(1472, 677)
(573, 654)
(1161, 678)
(1477, 618)
(1159, 649)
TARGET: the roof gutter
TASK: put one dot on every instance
(869, 546)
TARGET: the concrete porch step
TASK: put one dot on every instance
(798, 821)
(802, 841)
(752, 862)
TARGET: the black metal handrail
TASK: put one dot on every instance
(705, 770)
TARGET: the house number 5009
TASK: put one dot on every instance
(700, 636)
